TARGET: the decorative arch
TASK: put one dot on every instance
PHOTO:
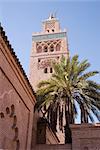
(58, 47)
(39, 49)
(51, 49)
(10, 114)
(45, 70)
(45, 49)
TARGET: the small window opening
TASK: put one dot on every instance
(51, 70)
(53, 30)
(47, 30)
(45, 70)
(45, 49)
(51, 49)
(7, 110)
(2, 115)
(39, 49)
(58, 47)
(39, 60)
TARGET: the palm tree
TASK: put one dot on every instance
(69, 86)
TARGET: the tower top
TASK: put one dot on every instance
(52, 16)
(51, 24)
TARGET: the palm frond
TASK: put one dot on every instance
(70, 83)
(88, 75)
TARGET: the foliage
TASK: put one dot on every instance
(68, 86)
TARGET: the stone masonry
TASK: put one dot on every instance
(17, 100)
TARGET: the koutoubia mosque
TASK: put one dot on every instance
(47, 46)
(22, 128)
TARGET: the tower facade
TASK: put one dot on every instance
(47, 46)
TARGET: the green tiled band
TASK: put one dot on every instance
(48, 36)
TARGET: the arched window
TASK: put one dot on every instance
(51, 48)
(39, 59)
(39, 49)
(45, 70)
(12, 110)
(51, 70)
(7, 110)
(45, 48)
(58, 47)
(53, 30)
(2, 115)
(58, 58)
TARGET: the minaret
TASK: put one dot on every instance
(47, 46)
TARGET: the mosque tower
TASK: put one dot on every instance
(47, 46)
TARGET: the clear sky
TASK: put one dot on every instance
(81, 19)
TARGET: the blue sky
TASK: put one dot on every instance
(80, 18)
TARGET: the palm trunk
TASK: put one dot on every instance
(52, 117)
(68, 137)
(84, 114)
(60, 118)
(68, 134)
(72, 114)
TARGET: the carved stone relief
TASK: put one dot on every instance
(9, 115)
(40, 46)
(44, 63)
(9, 133)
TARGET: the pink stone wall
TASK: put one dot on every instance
(16, 104)
(53, 147)
(86, 137)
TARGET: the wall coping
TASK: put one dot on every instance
(85, 125)
(16, 63)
